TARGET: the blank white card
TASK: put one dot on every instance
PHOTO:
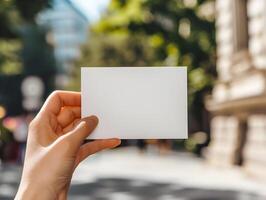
(136, 102)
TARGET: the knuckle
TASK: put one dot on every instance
(36, 123)
(55, 93)
(33, 124)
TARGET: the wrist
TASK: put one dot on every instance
(32, 192)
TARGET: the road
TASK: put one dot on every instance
(125, 174)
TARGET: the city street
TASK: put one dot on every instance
(169, 77)
(128, 175)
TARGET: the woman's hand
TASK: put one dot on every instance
(55, 147)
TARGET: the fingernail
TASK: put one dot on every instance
(117, 140)
(94, 118)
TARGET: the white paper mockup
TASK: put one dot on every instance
(136, 102)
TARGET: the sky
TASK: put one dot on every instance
(91, 8)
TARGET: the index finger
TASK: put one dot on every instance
(59, 99)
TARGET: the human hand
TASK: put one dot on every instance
(56, 146)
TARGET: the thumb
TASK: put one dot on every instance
(83, 129)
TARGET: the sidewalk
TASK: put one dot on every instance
(128, 175)
(181, 175)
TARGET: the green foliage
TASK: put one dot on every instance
(14, 14)
(8, 16)
(10, 62)
(119, 49)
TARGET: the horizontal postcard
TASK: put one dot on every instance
(136, 102)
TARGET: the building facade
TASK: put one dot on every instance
(238, 100)
(69, 29)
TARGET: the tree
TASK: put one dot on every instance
(113, 51)
(23, 51)
(175, 32)
(13, 14)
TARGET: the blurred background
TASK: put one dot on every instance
(44, 43)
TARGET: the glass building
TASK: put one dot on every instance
(68, 30)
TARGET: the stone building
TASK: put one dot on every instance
(238, 100)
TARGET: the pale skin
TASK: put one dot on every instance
(55, 147)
